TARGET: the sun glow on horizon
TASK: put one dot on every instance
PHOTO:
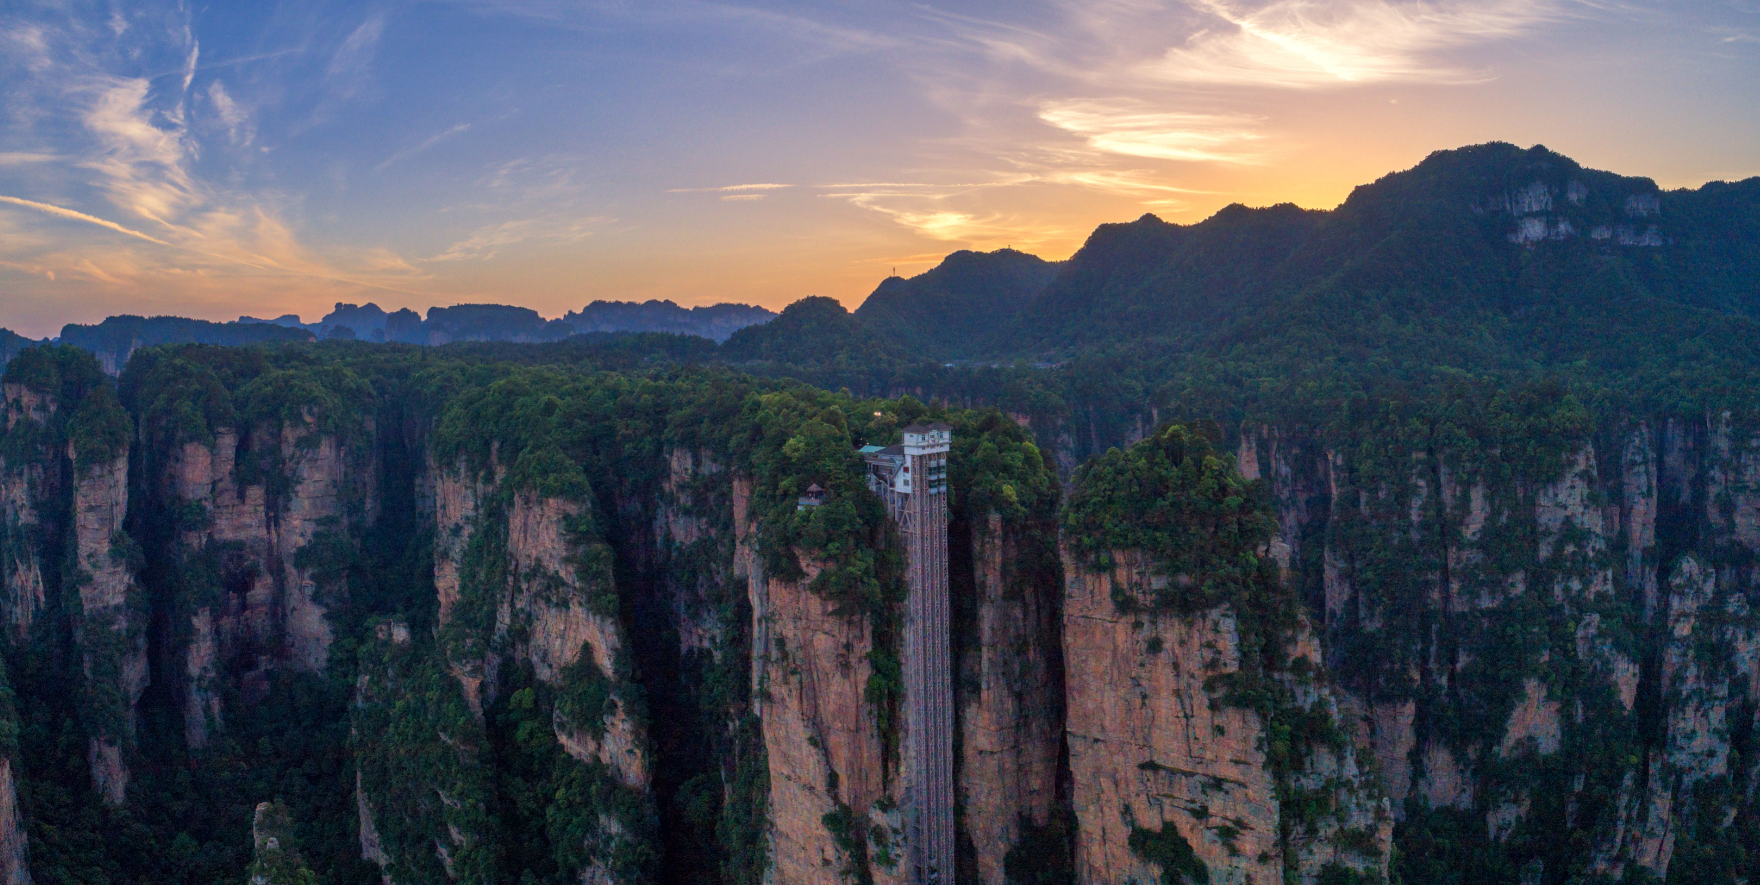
(220, 162)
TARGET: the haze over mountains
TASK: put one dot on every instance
(114, 339)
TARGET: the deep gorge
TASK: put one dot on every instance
(482, 623)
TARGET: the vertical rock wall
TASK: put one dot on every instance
(524, 585)
(826, 758)
(564, 614)
(1497, 622)
(24, 486)
(255, 544)
(1155, 746)
(111, 627)
(1010, 691)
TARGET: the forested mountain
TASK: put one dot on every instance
(116, 338)
(715, 322)
(966, 305)
(10, 344)
(1480, 233)
(1415, 541)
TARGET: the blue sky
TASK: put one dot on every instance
(232, 158)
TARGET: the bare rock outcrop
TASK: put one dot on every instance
(23, 486)
(267, 543)
(111, 629)
(811, 664)
(1011, 701)
(1155, 746)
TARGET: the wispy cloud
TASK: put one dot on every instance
(487, 242)
(140, 164)
(1314, 43)
(271, 248)
(1137, 129)
(232, 115)
(741, 198)
(728, 188)
(59, 212)
(96, 141)
(807, 30)
(189, 65)
(932, 217)
(951, 212)
(1134, 182)
(428, 142)
(247, 59)
(356, 53)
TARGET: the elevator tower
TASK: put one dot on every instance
(912, 479)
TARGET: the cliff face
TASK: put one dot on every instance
(111, 627)
(570, 611)
(14, 848)
(814, 788)
(833, 795)
(260, 548)
(1011, 698)
(421, 791)
(528, 626)
(24, 485)
(1555, 639)
(552, 608)
(1155, 744)
(1542, 644)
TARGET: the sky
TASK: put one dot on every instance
(264, 158)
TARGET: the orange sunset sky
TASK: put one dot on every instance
(265, 159)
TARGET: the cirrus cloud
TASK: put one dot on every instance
(1314, 43)
(1139, 129)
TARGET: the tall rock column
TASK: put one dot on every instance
(25, 486)
(111, 627)
(266, 561)
(526, 598)
(1011, 706)
(1203, 740)
(1151, 750)
(833, 811)
(14, 854)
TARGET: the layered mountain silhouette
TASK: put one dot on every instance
(118, 337)
(1481, 257)
(1490, 227)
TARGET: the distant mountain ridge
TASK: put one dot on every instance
(1479, 238)
(118, 337)
(115, 339)
(498, 322)
(716, 321)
